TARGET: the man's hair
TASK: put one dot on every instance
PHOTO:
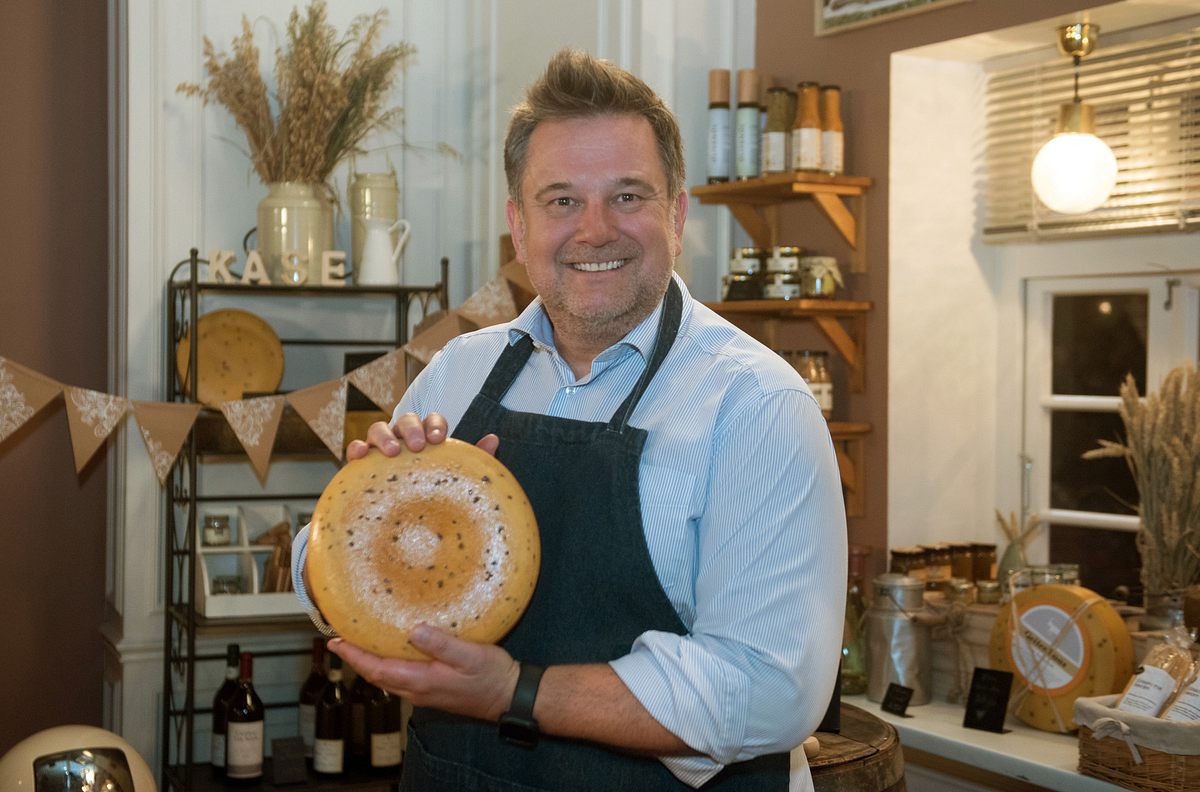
(576, 85)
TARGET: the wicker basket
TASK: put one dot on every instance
(1135, 751)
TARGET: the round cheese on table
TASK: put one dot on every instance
(1061, 643)
(444, 536)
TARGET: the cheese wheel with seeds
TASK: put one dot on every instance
(1067, 642)
(444, 536)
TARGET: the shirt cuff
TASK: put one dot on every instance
(299, 555)
(695, 771)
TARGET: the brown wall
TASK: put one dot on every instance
(859, 62)
(53, 309)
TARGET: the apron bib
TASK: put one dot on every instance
(596, 593)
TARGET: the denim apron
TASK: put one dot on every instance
(597, 591)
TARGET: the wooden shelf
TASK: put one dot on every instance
(755, 205)
(843, 323)
(848, 446)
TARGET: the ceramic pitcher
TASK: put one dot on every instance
(381, 261)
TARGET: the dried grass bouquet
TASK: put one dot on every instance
(329, 93)
(1162, 449)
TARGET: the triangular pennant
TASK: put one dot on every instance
(164, 426)
(255, 422)
(91, 417)
(323, 408)
(425, 344)
(523, 292)
(23, 393)
(492, 304)
(382, 380)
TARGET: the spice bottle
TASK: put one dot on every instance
(813, 369)
(719, 143)
(776, 134)
(832, 135)
(806, 129)
(747, 135)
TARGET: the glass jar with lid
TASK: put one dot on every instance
(983, 560)
(747, 260)
(961, 560)
(741, 286)
(908, 561)
(811, 363)
(217, 530)
(782, 286)
(937, 565)
(819, 277)
(785, 258)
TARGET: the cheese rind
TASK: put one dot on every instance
(1063, 642)
(443, 536)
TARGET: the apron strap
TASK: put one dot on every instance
(507, 367)
(668, 329)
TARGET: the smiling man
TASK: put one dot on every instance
(686, 623)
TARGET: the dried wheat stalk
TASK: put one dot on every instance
(1162, 450)
(329, 90)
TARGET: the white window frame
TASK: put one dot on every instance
(1172, 338)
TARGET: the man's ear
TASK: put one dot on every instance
(516, 227)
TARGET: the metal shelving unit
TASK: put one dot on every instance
(182, 625)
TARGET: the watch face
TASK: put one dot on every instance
(518, 731)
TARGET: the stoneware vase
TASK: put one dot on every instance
(295, 228)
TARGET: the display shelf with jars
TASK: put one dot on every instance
(755, 204)
(223, 576)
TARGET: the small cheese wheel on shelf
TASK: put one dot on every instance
(444, 536)
(1066, 642)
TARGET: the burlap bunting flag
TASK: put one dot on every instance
(164, 427)
(492, 304)
(255, 422)
(323, 408)
(91, 417)
(383, 380)
(23, 393)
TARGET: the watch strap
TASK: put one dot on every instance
(518, 726)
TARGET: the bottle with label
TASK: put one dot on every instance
(220, 703)
(383, 728)
(747, 134)
(806, 129)
(244, 729)
(777, 131)
(720, 145)
(854, 643)
(310, 692)
(832, 134)
(358, 746)
(813, 369)
(333, 723)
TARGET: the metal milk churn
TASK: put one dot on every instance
(898, 638)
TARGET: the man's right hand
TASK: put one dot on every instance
(414, 433)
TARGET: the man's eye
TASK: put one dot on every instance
(628, 197)
(564, 201)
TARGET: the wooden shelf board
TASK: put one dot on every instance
(775, 187)
(791, 308)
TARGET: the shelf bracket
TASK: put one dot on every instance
(758, 226)
(847, 347)
(849, 458)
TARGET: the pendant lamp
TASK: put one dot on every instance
(1075, 171)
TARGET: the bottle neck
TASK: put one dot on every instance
(335, 675)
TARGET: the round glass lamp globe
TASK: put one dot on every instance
(1074, 172)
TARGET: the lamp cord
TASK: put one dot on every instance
(1076, 58)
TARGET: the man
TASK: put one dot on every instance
(688, 612)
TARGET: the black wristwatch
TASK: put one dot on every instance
(517, 726)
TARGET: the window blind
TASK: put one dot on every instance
(1147, 101)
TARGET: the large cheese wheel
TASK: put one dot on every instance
(1065, 642)
(444, 536)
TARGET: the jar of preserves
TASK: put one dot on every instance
(785, 258)
(741, 286)
(217, 530)
(811, 363)
(961, 561)
(908, 561)
(819, 276)
(987, 592)
(747, 260)
(937, 565)
(983, 560)
(782, 286)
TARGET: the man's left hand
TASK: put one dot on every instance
(464, 678)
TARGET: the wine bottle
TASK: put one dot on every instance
(383, 728)
(358, 747)
(220, 702)
(244, 727)
(310, 691)
(332, 724)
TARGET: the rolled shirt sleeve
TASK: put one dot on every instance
(755, 673)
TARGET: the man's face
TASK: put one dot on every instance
(598, 232)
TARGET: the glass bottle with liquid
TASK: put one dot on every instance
(747, 131)
(812, 367)
(720, 145)
(806, 130)
(832, 133)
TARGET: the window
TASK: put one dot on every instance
(1146, 95)
(1083, 335)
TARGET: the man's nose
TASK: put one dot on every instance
(596, 225)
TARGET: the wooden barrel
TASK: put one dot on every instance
(864, 757)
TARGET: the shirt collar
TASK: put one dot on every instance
(534, 322)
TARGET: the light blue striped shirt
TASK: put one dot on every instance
(742, 511)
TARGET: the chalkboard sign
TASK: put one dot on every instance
(896, 699)
(987, 703)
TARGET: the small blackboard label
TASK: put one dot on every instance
(287, 761)
(896, 699)
(987, 703)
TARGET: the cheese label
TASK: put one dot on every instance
(1150, 689)
(1049, 650)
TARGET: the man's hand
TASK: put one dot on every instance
(414, 433)
(464, 678)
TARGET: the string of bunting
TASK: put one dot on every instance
(92, 416)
